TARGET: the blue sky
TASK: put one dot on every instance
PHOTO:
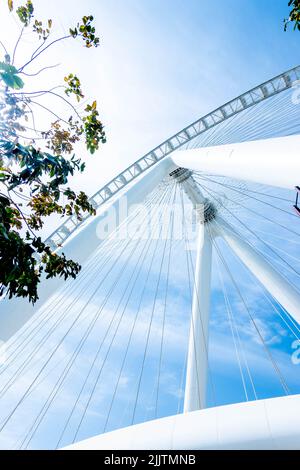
(160, 66)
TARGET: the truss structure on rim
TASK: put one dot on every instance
(245, 101)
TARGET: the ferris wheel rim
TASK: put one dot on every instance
(246, 100)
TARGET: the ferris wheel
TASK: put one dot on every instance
(190, 265)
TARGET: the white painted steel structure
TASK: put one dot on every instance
(197, 361)
(270, 424)
(245, 101)
(285, 163)
(278, 287)
(274, 162)
(241, 426)
(196, 379)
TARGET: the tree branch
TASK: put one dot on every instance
(44, 92)
(5, 50)
(67, 102)
(37, 49)
(37, 93)
(50, 111)
(16, 45)
(32, 115)
(20, 195)
(37, 73)
(33, 139)
(43, 50)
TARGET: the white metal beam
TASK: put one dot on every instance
(271, 279)
(197, 360)
(273, 162)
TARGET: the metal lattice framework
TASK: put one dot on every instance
(146, 296)
(245, 101)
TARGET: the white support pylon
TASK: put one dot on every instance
(274, 162)
(197, 360)
(271, 279)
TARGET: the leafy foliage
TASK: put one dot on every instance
(86, 31)
(34, 181)
(19, 274)
(61, 140)
(42, 31)
(294, 16)
(34, 164)
(24, 258)
(25, 13)
(93, 128)
(74, 86)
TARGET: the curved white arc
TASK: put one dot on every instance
(271, 279)
(15, 312)
(264, 424)
(248, 99)
(273, 162)
(197, 361)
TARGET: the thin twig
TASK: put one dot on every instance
(5, 50)
(37, 73)
(32, 115)
(44, 92)
(19, 136)
(38, 131)
(38, 48)
(43, 50)
(20, 195)
(38, 92)
(50, 111)
(67, 102)
(16, 46)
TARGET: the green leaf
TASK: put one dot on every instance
(12, 81)
(10, 77)
(18, 82)
(8, 68)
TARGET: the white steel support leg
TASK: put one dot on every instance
(197, 363)
(277, 285)
(270, 161)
